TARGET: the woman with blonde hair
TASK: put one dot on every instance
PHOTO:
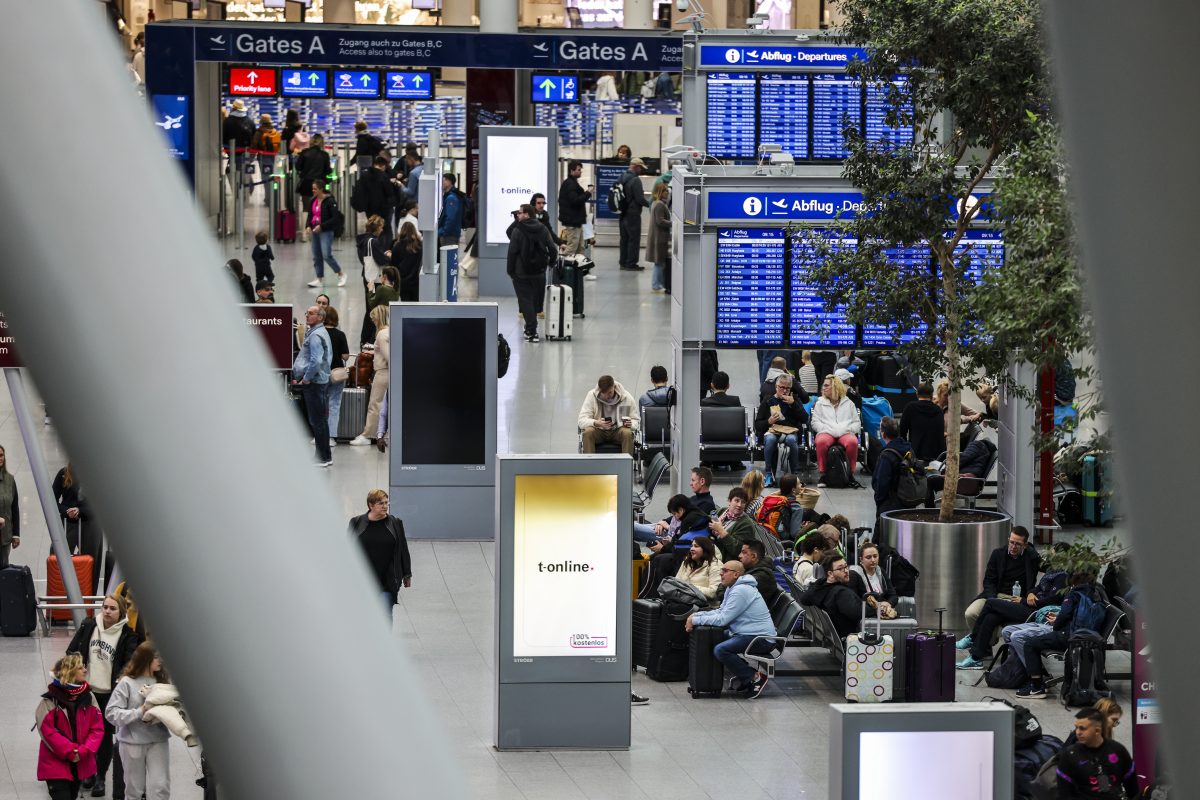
(71, 729)
(753, 483)
(835, 420)
(658, 237)
(379, 385)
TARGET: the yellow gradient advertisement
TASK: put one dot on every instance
(565, 565)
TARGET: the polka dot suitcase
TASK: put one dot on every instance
(869, 661)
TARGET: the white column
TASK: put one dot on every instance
(458, 13)
(639, 15)
(498, 16)
(339, 11)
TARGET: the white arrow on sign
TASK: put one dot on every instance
(313, 78)
(366, 79)
(546, 86)
(252, 75)
(417, 81)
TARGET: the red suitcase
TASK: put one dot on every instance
(85, 569)
(285, 226)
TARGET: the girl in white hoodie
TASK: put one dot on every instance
(144, 752)
(835, 419)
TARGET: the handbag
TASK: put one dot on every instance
(364, 366)
(339, 374)
(783, 430)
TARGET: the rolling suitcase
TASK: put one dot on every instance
(18, 601)
(353, 414)
(640, 563)
(558, 311)
(706, 675)
(929, 669)
(1097, 493)
(669, 648)
(646, 614)
(869, 664)
(285, 226)
(899, 629)
(85, 569)
(570, 273)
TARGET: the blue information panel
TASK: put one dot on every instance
(304, 82)
(986, 251)
(809, 324)
(733, 56)
(750, 290)
(732, 101)
(555, 88)
(355, 83)
(171, 115)
(783, 106)
(878, 130)
(835, 96)
(408, 86)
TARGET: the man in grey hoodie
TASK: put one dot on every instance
(607, 416)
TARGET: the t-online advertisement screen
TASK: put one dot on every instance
(895, 765)
(565, 565)
(516, 170)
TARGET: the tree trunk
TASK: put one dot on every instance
(953, 330)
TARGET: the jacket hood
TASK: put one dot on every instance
(692, 519)
(925, 408)
(775, 372)
(530, 225)
(68, 694)
(746, 580)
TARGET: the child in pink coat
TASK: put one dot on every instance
(71, 728)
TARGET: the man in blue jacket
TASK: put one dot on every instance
(310, 374)
(450, 220)
(887, 470)
(745, 614)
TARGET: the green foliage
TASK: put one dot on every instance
(1083, 556)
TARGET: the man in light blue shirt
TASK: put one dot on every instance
(744, 613)
(310, 374)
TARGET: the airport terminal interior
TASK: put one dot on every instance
(775, 746)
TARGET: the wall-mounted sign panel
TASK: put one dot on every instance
(356, 83)
(782, 206)
(408, 86)
(274, 322)
(252, 82)
(304, 82)
(8, 351)
(554, 88)
(775, 57)
(171, 117)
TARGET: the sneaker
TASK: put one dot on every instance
(541, 315)
(360, 441)
(332, 442)
(965, 642)
(315, 283)
(341, 279)
(589, 277)
(757, 687)
(820, 484)
(98, 788)
(769, 480)
(1032, 690)
(970, 662)
(323, 464)
(532, 338)
(638, 700)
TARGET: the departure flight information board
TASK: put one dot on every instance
(732, 126)
(809, 324)
(750, 290)
(835, 95)
(783, 106)
(877, 129)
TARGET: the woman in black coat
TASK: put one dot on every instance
(406, 258)
(869, 579)
(82, 530)
(382, 539)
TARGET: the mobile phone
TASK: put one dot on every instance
(608, 419)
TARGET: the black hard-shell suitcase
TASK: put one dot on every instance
(929, 669)
(669, 648)
(18, 601)
(570, 271)
(646, 614)
(706, 675)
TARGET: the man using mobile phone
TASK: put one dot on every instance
(606, 416)
(572, 208)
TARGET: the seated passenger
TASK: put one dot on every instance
(702, 567)
(1016, 563)
(605, 416)
(835, 419)
(656, 395)
(745, 615)
(1096, 765)
(1112, 712)
(941, 397)
(1083, 592)
(720, 392)
(869, 581)
(752, 482)
(701, 498)
(753, 556)
(812, 550)
(847, 379)
(702, 501)
(973, 462)
(781, 416)
(833, 593)
(733, 525)
(997, 613)
(675, 535)
(924, 424)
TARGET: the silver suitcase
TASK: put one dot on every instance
(558, 309)
(353, 414)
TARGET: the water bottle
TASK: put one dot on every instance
(1016, 592)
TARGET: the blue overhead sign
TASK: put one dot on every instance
(555, 88)
(355, 83)
(426, 47)
(304, 82)
(783, 206)
(409, 86)
(723, 55)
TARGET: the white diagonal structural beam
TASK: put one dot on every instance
(194, 461)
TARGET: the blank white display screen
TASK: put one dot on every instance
(918, 765)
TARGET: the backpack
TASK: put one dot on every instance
(616, 198)
(647, 90)
(773, 506)
(503, 354)
(677, 591)
(911, 484)
(1010, 674)
(469, 219)
(899, 570)
(1083, 671)
(837, 469)
(1089, 614)
(1028, 763)
(1026, 728)
(300, 141)
(358, 198)
(536, 255)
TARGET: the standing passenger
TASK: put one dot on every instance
(572, 208)
(10, 512)
(658, 239)
(382, 539)
(325, 221)
(144, 752)
(631, 215)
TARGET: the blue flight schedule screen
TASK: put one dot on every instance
(809, 323)
(783, 112)
(911, 258)
(750, 290)
(878, 130)
(985, 249)
(834, 96)
(732, 101)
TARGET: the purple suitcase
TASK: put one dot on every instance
(285, 226)
(929, 666)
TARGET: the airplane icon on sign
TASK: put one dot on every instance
(218, 40)
(543, 47)
(171, 123)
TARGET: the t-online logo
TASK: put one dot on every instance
(564, 566)
(733, 55)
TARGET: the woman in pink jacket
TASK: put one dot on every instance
(71, 729)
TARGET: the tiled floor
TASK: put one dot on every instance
(773, 747)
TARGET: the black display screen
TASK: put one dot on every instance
(444, 393)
